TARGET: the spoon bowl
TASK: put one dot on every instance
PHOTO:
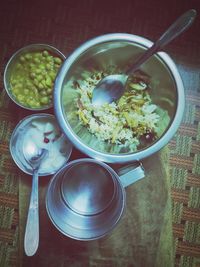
(112, 87)
(33, 154)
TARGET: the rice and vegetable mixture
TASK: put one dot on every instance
(132, 121)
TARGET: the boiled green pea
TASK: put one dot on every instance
(28, 56)
(26, 91)
(48, 82)
(20, 97)
(36, 60)
(57, 60)
(15, 91)
(40, 86)
(48, 66)
(32, 75)
(43, 92)
(49, 59)
(45, 53)
(37, 71)
(39, 78)
(44, 100)
(19, 66)
(22, 59)
(52, 74)
(41, 66)
(49, 91)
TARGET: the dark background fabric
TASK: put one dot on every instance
(67, 24)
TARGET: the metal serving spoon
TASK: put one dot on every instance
(34, 156)
(112, 87)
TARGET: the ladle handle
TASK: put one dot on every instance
(131, 173)
(179, 26)
(31, 239)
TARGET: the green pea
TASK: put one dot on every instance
(49, 59)
(37, 104)
(32, 75)
(57, 60)
(20, 97)
(29, 83)
(41, 66)
(37, 71)
(39, 78)
(34, 90)
(52, 74)
(26, 91)
(31, 65)
(31, 102)
(48, 82)
(35, 82)
(43, 92)
(40, 86)
(36, 60)
(44, 100)
(37, 55)
(45, 53)
(49, 91)
(19, 85)
(13, 82)
(48, 66)
(28, 56)
(19, 66)
(22, 59)
(56, 67)
(43, 83)
(15, 91)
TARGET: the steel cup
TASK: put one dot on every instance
(86, 198)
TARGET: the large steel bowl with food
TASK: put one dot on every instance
(165, 89)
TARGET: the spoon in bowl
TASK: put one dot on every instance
(112, 87)
(34, 156)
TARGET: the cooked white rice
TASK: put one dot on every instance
(125, 122)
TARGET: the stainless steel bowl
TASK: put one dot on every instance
(14, 59)
(18, 137)
(119, 49)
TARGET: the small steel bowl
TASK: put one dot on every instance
(17, 139)
(15, 59)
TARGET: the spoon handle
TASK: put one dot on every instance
(31, 239)
(179, 26)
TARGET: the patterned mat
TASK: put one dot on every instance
(66, 24)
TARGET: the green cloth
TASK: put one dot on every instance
(143, 237)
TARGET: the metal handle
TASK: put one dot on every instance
(179, 26)
(31, 239)
(131, 173)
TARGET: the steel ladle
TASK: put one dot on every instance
(34, 156)
(112, 87)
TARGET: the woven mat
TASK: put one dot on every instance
(66, 24)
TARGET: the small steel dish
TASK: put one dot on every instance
(17, 138)
(14, 59)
